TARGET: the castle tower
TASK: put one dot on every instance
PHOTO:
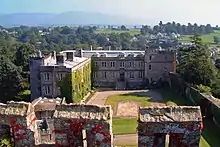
(35, 62)
(158, 62)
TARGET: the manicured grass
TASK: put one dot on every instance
(109, 31)
(210, 133)
(114, 99)
(208, 38)
(173, 98)
(124, 125)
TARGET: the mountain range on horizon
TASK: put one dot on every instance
(67, 18)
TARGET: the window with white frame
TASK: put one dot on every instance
(95, 75)
(46, 76)
(58, 91)
(141, 74)
(105, 75)
(112, 64)
(47, 90)
(104, 64)
(131, 75)
(60, 76)
(131, 64)
(150, 67)
(112, 74)
(141, 64)
(122, 64)
(96, 64)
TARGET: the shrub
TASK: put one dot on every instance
(204, 89)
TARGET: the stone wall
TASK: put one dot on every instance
(181, 124)
(210, 106)
(71, 120)
(17, 117)
(69, 125)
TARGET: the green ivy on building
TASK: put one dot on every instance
(75, 86)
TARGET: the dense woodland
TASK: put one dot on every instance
(15, 49)
(172, 27)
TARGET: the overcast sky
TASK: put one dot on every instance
(183, 11)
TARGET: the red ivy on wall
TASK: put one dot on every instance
(18, 129)
(76, 128)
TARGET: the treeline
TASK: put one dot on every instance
(174, 27)
(14, 69)
(64, 38)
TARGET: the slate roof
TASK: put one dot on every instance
(108, 53)
(170, 114)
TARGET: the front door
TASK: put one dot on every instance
(122, 76)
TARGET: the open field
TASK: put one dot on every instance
(205, 38)
(109, 31)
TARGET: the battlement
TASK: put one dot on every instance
(170, 114)
(51, 121)
(14, 108)
(78, 111)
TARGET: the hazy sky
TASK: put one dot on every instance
(183, 11)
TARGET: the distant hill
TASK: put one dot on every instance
(67, 18)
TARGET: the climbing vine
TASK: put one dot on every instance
(76, 127)
(75, 86)
(94, 69)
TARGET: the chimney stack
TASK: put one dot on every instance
(60, 58)
(69, 56)
(79, 53)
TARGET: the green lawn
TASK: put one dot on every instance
(114, 99)
(205, 38)
(124, 125)
(109, 31)
(210, 132)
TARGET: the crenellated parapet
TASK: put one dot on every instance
(51, 121)
(175, 125)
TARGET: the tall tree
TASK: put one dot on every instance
(196, 66)
(23, 54)
(10, 79)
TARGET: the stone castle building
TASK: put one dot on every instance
(52, 122)
(124, 69)
(47, 73)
